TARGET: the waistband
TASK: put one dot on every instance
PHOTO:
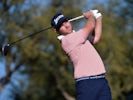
(91, 77)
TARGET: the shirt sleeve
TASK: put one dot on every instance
(73, 40)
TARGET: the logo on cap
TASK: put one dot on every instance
(58, 18)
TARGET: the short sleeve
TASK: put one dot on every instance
(73, 40)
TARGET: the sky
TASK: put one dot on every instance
(14, 85)
(2, 69)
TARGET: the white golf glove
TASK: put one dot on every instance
(96, 13)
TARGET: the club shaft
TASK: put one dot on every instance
(34, 33)
(29, 35)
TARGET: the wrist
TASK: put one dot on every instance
(89, 14)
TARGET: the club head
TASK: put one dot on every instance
(5, 49)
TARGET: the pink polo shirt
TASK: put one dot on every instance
(83, 55)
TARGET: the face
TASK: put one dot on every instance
(66, 28)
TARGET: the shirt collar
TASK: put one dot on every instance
(61, 36)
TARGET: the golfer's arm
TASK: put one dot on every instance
(98, 30)
(89, 26)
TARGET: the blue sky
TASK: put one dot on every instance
(14, 85)
(2, 69)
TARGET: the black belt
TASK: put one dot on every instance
(91, 77)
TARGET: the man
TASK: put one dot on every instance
(89, 71)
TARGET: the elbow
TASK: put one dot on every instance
(97, 37)
(96, 40)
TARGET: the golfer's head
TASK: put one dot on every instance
(61, 24)
(58, 20)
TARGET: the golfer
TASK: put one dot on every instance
(89, 71)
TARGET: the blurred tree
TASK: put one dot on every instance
(114, 47)
(47, 67)
(49, 72)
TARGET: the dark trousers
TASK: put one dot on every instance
(93, 89)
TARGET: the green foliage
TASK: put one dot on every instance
(114, 49)
(48, 69)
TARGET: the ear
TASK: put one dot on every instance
(56, 31)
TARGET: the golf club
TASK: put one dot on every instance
(6, 48)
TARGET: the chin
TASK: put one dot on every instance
(71, 31)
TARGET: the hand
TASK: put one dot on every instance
(88, 14)
(96, 13)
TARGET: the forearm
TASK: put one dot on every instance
(90, 25)
(98, 30)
